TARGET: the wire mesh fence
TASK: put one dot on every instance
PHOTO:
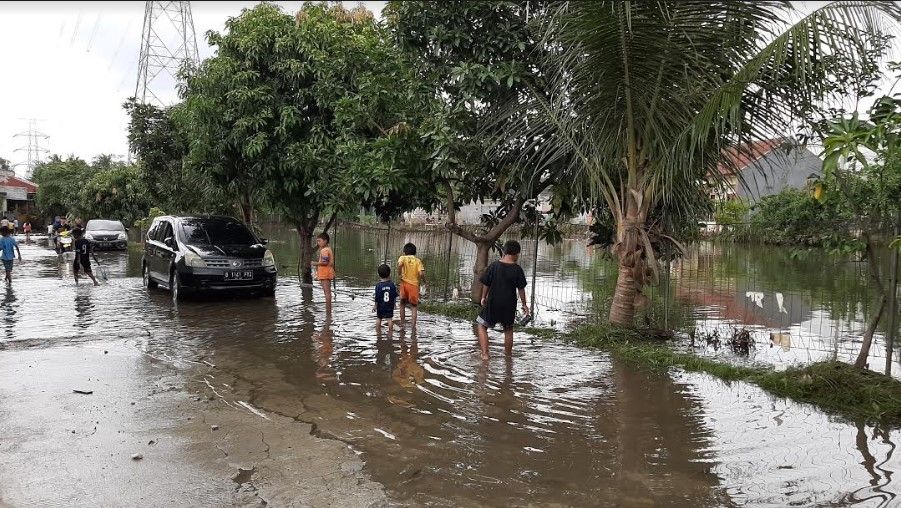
(797, 305)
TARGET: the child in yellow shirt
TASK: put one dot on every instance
(412, 274)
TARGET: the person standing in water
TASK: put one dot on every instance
(500, 283)
(412, 273)
(385, 298)
(8, 249)
(83, 250)
(325, 268)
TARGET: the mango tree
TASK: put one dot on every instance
(314, 113)
(475, 57)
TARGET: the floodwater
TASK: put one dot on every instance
(815, 304)
(553, 425)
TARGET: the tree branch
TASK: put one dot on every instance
(508, 220)
(331, 220)
(451, 224)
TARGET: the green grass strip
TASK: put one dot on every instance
(836, 387)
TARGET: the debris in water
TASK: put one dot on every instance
(137, 456)
(83, 392)
(214, 427)
(151, 442)
(105, 352)
(741, 342)
(386, 434)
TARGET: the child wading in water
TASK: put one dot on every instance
(83, 250)
(8, 249)
(385, 299)
(412, 273)
(325, 267)
(500, 283)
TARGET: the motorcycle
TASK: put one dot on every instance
(64, 242)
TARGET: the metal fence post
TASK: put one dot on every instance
(535, 263)
(450, 239)
(387, 242)
(666, 290)
(893, 290)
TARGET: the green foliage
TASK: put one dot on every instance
(731, 212)
(795, 217)
(474, 57)
(144, 223)
(115, 192)
(312, 114)
(104, 189)
(59, 184)
(160, 147)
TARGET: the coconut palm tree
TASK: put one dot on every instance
(647, 95)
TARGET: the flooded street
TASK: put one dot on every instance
(433, 424)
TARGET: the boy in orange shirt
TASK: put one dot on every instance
(412, 273)
(325, 267)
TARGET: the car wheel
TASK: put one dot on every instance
(148, 282)
(269, 292)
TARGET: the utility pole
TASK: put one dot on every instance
(33, 149)
(168, 42)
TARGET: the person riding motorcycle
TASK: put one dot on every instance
(62, 235)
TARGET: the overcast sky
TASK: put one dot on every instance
(71, 65)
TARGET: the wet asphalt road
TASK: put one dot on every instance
(311, 408)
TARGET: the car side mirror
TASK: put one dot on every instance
(169, 241)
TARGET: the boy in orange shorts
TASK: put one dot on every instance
(412, 273)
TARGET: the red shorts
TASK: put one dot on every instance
(409, 293)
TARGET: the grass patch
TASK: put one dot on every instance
(459, 310)
(836, 387)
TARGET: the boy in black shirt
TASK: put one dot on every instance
(385, 298)
(83, 250)
(500, 283)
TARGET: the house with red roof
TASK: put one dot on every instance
(763, 168)
(16, 195)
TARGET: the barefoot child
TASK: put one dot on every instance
(412, 273)
(385, 299)
(83, 250)
(325, 267)
(500, 283)
(8, 247)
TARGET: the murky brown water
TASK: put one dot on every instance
(553, 425)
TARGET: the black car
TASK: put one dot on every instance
(200, 254)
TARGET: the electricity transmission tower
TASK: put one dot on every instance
(168, 41)
(33, 150)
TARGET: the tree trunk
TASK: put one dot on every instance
(247, 210)
(622, 309)
(305, 237)
(861, 362)
(483, 249)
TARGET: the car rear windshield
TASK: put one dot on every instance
(216, 232)
(104, 225)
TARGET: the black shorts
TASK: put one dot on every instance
(85, 263)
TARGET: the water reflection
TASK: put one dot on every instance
(552, 424)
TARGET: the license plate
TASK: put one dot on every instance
(239, 275)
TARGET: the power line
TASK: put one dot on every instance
(33, 149)
(157, 57)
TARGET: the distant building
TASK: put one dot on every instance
(16, 195)
(766, 168)
(471, 214)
